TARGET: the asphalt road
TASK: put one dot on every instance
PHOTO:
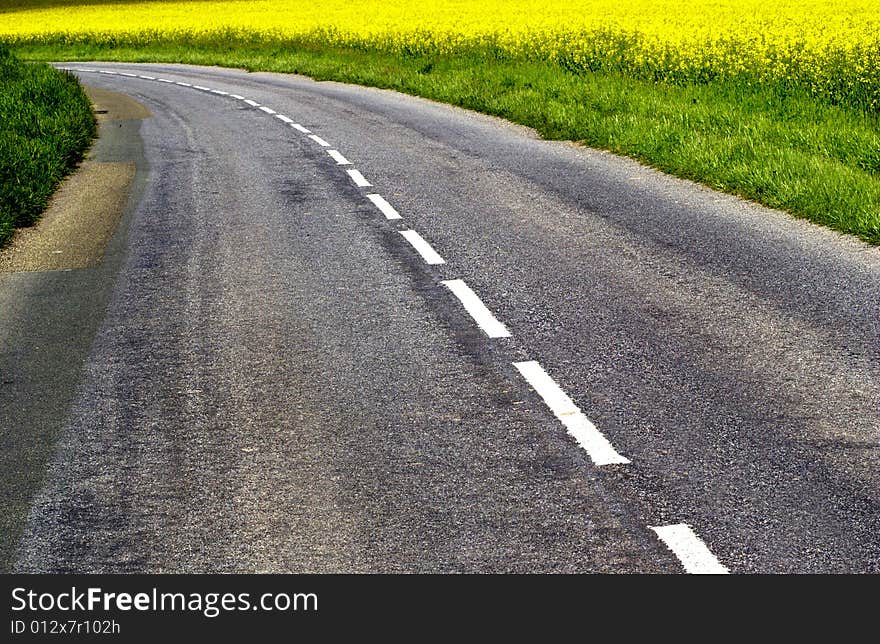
(269, 376)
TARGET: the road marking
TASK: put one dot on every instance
(358, 179)
(585, 433)
(386, 208)
(297, 126)
(147, 77)
(104, 71)
(202, 87)
(281, 117)
(237, 97)
(474, 305)
(268, 110)
(424, 248)
(220, 92)
(127, 74)
(164, 80)
(340, 160)
(693, 553)
(183, 84)
(317, 139)
(251, 103)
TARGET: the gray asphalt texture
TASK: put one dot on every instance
(278, 383)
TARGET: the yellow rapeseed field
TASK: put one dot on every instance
(830, 46)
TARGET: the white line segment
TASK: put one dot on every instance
(105, 71)
(474, 305)
(340, 160)
(220, 92)
(585, 433)
(127, 74)
(182, 84)
(147, 77)
(694, 555)
(358, 179)
(202, 87)
(267, 110)
(297, 126)
(237, 97)
(424, 248)
(317, 139)
(386, 208)
(251, 103)
(164, 80)
(286, 119)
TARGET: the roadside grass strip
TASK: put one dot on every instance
(46, 126)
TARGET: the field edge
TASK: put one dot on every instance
(771, 145)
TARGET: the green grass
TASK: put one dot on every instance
(46, 124)
(776, 145)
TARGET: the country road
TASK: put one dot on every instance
(344, 330)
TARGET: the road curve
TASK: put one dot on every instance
(349, 330)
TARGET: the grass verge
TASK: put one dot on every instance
(46, 124)
(776, 145)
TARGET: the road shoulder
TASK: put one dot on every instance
(51, 303)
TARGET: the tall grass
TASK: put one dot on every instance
(46, 124)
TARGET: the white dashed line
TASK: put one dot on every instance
(147, 77)
(127, 74)
(317, 139)
(297, 126)
(104, 71)
(237, 97)
(184, 84)
(267, 110)
(251, 103)
(340, 160)
(281, 117)
(202, 87)
(424, 248)
(386, 208)
(164, 80)
(220, 92)
(474, 305)
(694, 555)
(358, 179)
(578, 425)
